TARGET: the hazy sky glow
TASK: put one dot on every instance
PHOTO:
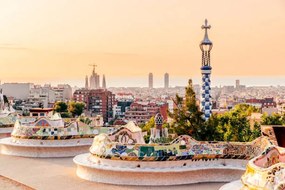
(55, 41)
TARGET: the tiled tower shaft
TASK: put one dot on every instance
(206, 46)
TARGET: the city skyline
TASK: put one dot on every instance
(158, 81)
(72, 35)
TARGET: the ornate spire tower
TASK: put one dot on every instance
(206, 46)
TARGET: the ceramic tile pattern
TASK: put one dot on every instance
(42, 129)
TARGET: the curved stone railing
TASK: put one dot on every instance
(165, 164)
(155, 173)
(48, 137)
(48, 141)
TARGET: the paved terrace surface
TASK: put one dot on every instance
(59, 173)
(6, 183)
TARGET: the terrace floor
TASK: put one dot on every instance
(59, 173)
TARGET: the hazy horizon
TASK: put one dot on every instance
(174, 81)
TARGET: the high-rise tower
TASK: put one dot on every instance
(86, 82)
(104, 82)
(150, 80)
(237, 84)
(206, 46)
(166, 80)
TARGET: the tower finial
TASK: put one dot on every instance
(206, 38)
(94, 66)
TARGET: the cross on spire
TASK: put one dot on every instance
(94, 66)
(206, 26)
(206, 38)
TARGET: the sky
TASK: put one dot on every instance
(55, 41)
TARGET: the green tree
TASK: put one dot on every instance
(66, 115)
(148, 125)
(256, 132)
(84, 119)
(235, 125)
(146, 128)
(187, 118)
(230, 126)
(274, 119)
(211, 130)
(60, 107)
(246, 109)
(76, 108)
(26, 112)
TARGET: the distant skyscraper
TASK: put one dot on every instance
(237, 83)
(104, 82)
(206, 46)
(150, 80)
(86, 82)
(166, 80)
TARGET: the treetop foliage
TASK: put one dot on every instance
(70, 109)
(233, 125)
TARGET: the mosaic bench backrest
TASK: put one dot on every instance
(268, 131)
(125, 136)
(267, 171)
(46, 132)
(246, 150)
(182, 148)
(8, 121)
(270, 156)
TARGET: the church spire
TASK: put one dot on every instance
(93, 71)
(206, 45)
(206, 27)
(94, 79)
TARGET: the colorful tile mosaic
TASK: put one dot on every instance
(182, 148)
(46, 129)
(267, 171)
(8, 121)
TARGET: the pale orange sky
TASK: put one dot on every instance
(55, 40)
